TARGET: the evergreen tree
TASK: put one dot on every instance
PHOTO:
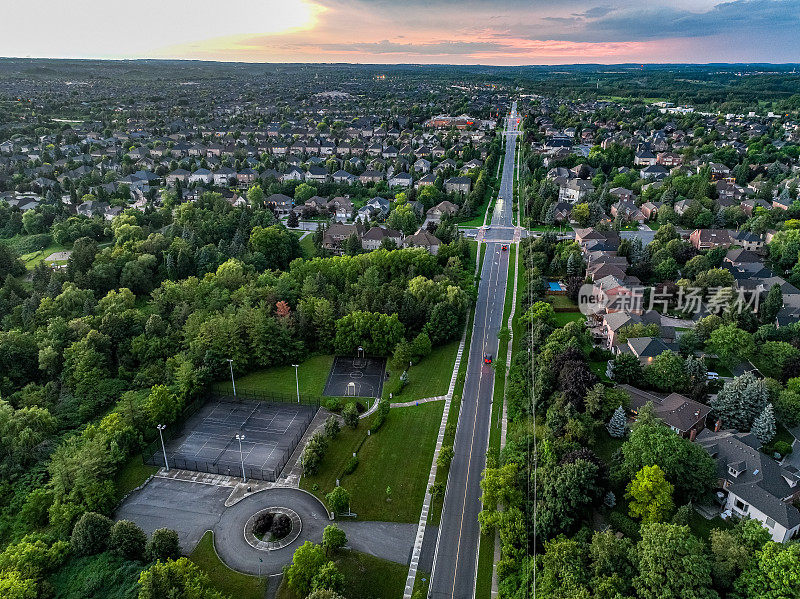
(740, 401)
(616, 426)
(764, 425)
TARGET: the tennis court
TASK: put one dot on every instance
(357, 377)
(208, 442)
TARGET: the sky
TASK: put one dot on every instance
(507, 32)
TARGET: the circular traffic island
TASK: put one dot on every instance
(272, 528)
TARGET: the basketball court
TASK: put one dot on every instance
(269, 434)
(356, 377)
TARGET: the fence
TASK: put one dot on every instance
(250, 394)
(153, 454)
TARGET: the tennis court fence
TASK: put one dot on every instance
(228, 461)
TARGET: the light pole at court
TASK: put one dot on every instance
(230, 361)
(240, 438)
(297, 380)
(160, 428)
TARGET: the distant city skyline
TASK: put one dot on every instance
(511, 32)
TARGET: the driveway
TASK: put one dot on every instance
(192, 508)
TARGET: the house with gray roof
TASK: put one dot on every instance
(753, 485)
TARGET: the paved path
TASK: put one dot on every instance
(192, 508)
(456, 554)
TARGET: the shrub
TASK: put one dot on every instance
(163, 545)
(351, 465)
(90, 534)
(445, 456)
(682, 515)
(263, 524)
(281, 526)
(350, 415)
(624, 524)
(782, 447)
(334, 404)
(381, 414)
(127, 540)
(332, 427)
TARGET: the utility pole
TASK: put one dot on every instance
(160, 428)
(240, 438)
(230, 361)
(297, 380)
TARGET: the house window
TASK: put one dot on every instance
(770, 522)
(741, 506)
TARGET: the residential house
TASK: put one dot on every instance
(574, 190)
(706, 239)
(201, 175)
(445, 208)
(400, 180)
(423, 239)
(458, 185)
(341, 207)
(683, 415)
(374, 238)
(646, 349)
(280, 203)
(753, 485)
(337, 233)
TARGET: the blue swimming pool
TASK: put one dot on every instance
(554, 286)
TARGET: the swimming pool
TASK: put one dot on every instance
(554, 286)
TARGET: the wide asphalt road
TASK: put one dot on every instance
(456, 556)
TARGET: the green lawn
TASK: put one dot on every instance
(429, 378)
(366, 577)
(702, 527)
(599, 368)
(605, 445)
(133, 474)
(553, 228)
(33, 258)
(398, 456)
(307, 245)
(281, 379)
(225, 580)
(563, 318)
(562, 302)
(483, 580)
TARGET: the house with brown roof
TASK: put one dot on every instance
(337, 233)
(424, 239)
(706, 239)
(683, 415)
(373, 238)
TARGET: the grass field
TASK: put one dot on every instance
(562, 302)
(227, 581)
(429, 378)
(365, 576)
(397, 456)
(133, 474)
(563, 318)
(702, 527)
(312, 375)
(554, 229)
(307, 243)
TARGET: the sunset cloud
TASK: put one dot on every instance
(382, 31)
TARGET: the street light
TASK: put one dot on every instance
(230, 361)
(297, 380)
(160, 428)
(240, 438)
